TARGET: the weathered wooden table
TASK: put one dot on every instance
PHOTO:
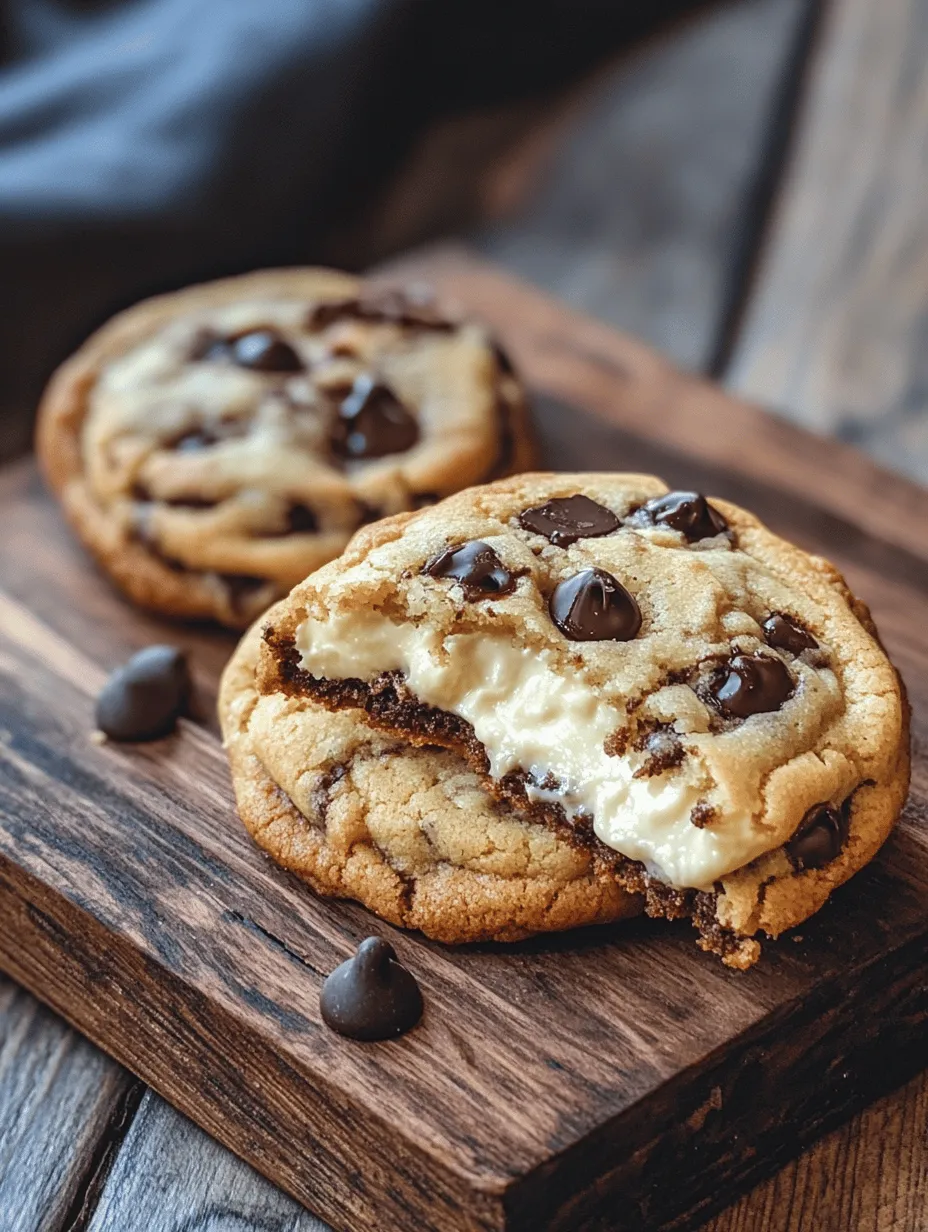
(749, 193)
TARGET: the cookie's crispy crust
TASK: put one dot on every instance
(407, 832)
(142, 576)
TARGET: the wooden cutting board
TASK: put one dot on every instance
(613, 1078)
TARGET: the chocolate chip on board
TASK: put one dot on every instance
(593, 606)
(371, 996)
(143, 699)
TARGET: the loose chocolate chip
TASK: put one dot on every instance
(593, 606)
(786, 633)
(371, 996)
(476, 566)
(819, 838)
(144, 698)
(565, 519)
(751, 684)
(372, 422)
(262, 350)
(688, 512)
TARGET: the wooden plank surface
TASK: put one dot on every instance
(170, 1176)
(185, 952)
(836, 330)
(58, 1094)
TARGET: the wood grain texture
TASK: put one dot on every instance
(57, 1097)
(170, 1177)
(639, 216)
(142, 913)
(836, 333)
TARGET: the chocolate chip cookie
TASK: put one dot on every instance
(214, 446)
(408, 831)
(655, 676)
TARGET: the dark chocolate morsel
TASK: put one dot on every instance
(240, 587)
(391, 305)
(476, 566)
(751, 684)
(819, 838)
(593, 606)
(144, 698)
(688, 512)
(371, 996)
(192, 442)
(301, 520)
(372, 422)
(786, 633)
(565, 519)
(262, 350)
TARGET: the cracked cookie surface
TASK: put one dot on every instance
(407, 831)
(214, 446)
(705, 705)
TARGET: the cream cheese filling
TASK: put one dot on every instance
(530, 718)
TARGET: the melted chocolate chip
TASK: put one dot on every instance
(664, 751)
(240, 587)
(372, 422)
(262, 350)
(593, 606)
(565, 519)
(503, 362)
(144, 698)
(819, 838)
(476, 566)
(786, 633)
(371, 996)
(192, 442)
(751, 684)
(388, 305)
(688, 512)
(301, 520)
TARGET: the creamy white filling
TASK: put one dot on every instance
(529, 717)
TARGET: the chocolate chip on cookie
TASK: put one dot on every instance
(262, 350)
(476, 566)
(819, 839)
(751, 684)
(593, 606)
(688, 512)
(371, 996)
(786, 633)
(143, 699)
(566, 519)
(372, 422)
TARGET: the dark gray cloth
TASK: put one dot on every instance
(149, 143)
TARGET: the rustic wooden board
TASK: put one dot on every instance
(615, 1078)
(59, 1098)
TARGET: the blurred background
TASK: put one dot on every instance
(638, 160)
(675, 168)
